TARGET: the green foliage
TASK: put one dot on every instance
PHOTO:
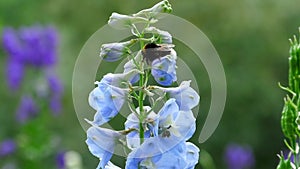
(290, 112)
(288, 121)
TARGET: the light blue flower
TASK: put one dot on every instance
(156, 153)
(120, 80)
(163, 37)
(112, 52)
(175, 124)
(186, 97)
(170, 123)
(164, 69)
(109, 96)
(119, 21)
(192, 155)
(184, 156)
(107, 100)
(101, 143)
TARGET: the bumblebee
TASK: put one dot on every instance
(152, 51)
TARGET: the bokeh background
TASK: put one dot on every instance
(251, 37)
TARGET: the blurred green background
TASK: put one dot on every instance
(251, 37)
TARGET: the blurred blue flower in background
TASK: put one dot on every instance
(7, 147)
(32, 51)
(56, 91)
(239, 157)
(27, 109)
(29, 46)
(60, 160)
(14, 73)
(33, 47)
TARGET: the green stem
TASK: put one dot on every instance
(141, 94)
(141, 107)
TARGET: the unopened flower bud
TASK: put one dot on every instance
(112, 52)
(119, 21)
(163, 37)
(161, 7)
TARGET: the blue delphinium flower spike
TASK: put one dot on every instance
(157, 140)
(26, 110)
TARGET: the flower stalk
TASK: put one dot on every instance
(290, 122)
(155, 139)
(141, 107)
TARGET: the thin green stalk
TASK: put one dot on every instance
(141, 107)
(141, 98)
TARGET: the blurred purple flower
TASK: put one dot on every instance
(55, 104)
(14, 73)
(60, 160)
(11, 43)
(7, 147)
(30, 46)
(56, 89)
(39, 45)
(27, 109)
(55, 84)
(35, 45)
(239, 157)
